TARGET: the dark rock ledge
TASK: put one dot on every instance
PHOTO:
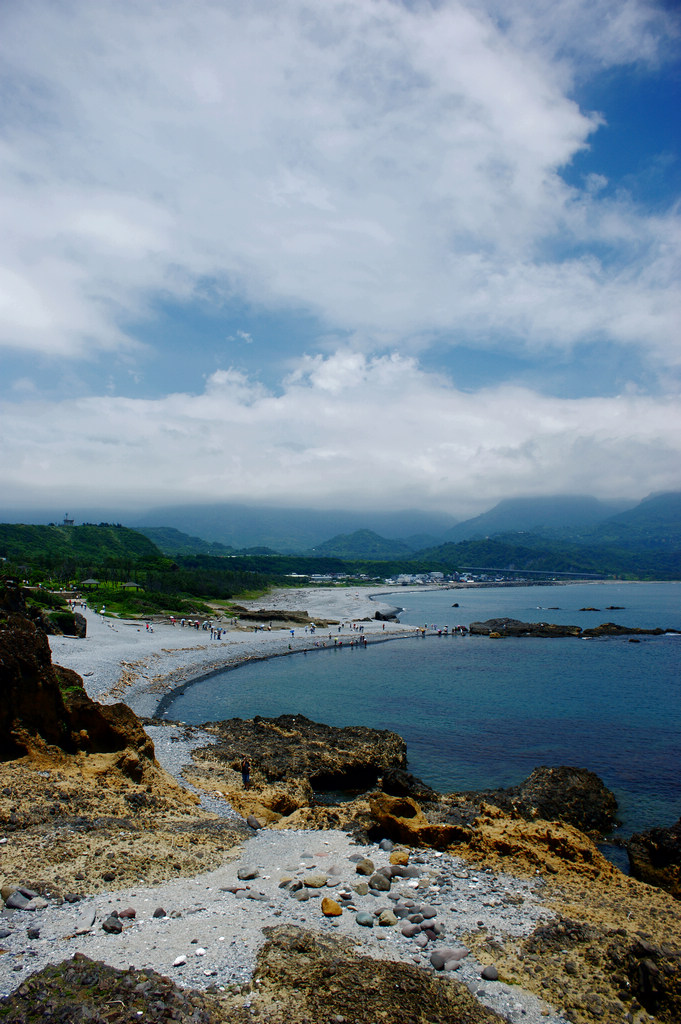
(514, 627)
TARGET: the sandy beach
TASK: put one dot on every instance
(122, 660)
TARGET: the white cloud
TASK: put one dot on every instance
(391, 168)
(344, 431)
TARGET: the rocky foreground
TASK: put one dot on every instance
(86, 809)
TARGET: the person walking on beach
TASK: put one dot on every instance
(246, 772)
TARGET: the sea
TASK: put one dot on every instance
(480, 713)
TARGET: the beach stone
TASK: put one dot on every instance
(113, 925)
(159, 912)
(404, 871)
(315, 881)
(4, 933)
(33, 933)
(399, 857)
(428, 912)
(452, 965)
(386, 844)
(330, 908)
(410, 930)
(17, 901)
(421, 940)
(490, 973)
(179, 961)
(380, 882)
(365, 866)
(361, 888)
(128, 913)
(86, 921)
(364, 919)
(253, 821)
(301, 895)
(440, 957)
(247, 872)
(37, 903)
(387, 918)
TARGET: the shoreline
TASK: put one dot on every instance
(120, 660)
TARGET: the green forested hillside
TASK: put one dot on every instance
(50, 545)
(363, 544)
(174, 542)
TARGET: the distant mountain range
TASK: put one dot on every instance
(566, 529)
(555, 516)
(567, 523)
(290, 530)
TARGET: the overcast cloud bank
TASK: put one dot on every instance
(393, 173)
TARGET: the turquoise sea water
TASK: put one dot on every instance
(479, 713)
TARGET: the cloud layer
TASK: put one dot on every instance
(344, 431)
(391, 170)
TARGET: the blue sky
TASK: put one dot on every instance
(361, 254)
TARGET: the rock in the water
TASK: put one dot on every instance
(573, 796)
(655, 858)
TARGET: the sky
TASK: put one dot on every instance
(367, 254)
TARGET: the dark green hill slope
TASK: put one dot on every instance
(174, 542)
(545, 516)
(89, 544)
(514, 553)
(654, 523)
(362, 544)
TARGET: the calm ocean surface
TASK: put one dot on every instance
(479, 713)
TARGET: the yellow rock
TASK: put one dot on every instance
(330, 908)
(399, 857)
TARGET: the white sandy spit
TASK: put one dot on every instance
(121, 660)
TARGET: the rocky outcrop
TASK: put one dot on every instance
(655, 857)
(46, 704)
(294, 747)
(514, 627)
(32, 703)
(401, 819)
(574, 796)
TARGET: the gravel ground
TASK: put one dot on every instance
(210, 934)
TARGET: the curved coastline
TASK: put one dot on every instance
(177, 691)
(120, 660)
